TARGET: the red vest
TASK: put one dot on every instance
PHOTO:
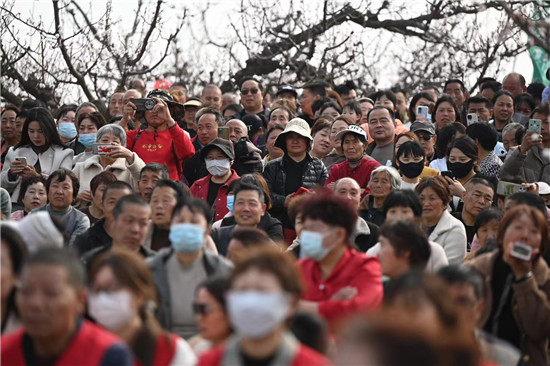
(164, 351)
(87, 347)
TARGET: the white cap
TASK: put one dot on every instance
(544, 188)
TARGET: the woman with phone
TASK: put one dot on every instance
(517, 306)
(39, 153)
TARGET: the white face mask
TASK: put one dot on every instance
(112, 310)
(218, 167)
(255, 314)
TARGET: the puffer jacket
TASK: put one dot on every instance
(315, 174)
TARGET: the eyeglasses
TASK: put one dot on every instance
(201, 308)
(246, 91)
(424, 137)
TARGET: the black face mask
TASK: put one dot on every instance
(460, 170)
(411, 170)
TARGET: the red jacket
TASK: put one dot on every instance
(356, 270)
(199, 189)
(164, 350)
(157, 147)
(361, 173)
(304, 357)
(88, 347)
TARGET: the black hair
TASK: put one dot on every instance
(66, 109)
(392, 114)
(446, 98)
(530, 199)
(130, 199)
(319, 103)
(311, 331)
(414, 100)
(245, 186)
(391, 96)
(29, 104)
(119, 184)
(478, 99)
(217, 286)
(445, 136)
(525, 98)
(155, 167)
(233, 107)
(105, 177)
(273, 128)
(345, 88)
(536, 89)
(486, 215)
(316, 88)
(60, 175)
(96, 118)
(60, 257)
(331, 105)
(483, 180)
(25, 184)
(502, 92)
(493, 85)
(331, 210)
(518, 136)
(484, 80)
(484, 133)
(196, 206)
(463, 274)
(407, 236)
(410, 148)
(354, 106)
(403, 198)
(457, 81)
(179, 193)
(253, 79)
(251, 237)
(47, 125)
(466, 145)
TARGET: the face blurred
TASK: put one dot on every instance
(352, 147)
(228, 114)
(179, 94)
(273, 151)
(35, 196)
(287, 95)
(349, 190)
(463, 295)
(350, 97)
(444, 115)
(523, 108)
(131, 226)
(381, 126)
(189, 114)
(129, 95)
(9, 125)
(400, 213)
(213, 322)
(321, 142)
(111, 198)
(503, 108)
(295, 144)
(60, 194)
(337, 126)
(487, 231)
(480, 109)
(306, 101)
(393, 265)
(97, 198)
(87, 126)
(115, 104)
(106, 281)
(522, 229)
(380, 185)
(401, 103)
(147, 181)
(256, 280)
(163, 201)
(351, 113)
(248, 209)
(330, 112)
(251, 95)
(365, 108)
(278, 117)
(85, 110)
(212, 97)
(49, 306)
(477, 197)
(36, 135)
(432, 205)
(237, 129)
(455, 91)
(509, 139)
(7, 275)
(384, 101)
(186, 216)
(207, 128)
(332, 235)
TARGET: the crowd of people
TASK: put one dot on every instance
(311, 226)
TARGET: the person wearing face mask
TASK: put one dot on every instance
(123, 299)
(68, 133)
(340, 281)
(218, 156)
(461, 161)
(410, 160)
(263, 295)
(179, 269)
(88, 125)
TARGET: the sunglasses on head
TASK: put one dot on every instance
(246, 91)
(201, 309)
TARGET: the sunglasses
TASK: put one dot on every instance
(246, 91)
(201, 309)
(425, 137)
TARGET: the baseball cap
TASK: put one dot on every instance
(423, 126)
(357, 130)
(193, 102)
(224, 145)
(286, 88)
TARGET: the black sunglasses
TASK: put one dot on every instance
(424, 137)
(201, 309)
(246, 91)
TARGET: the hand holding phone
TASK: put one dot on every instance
(521, 251)
(535, 125)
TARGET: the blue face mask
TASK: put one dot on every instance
(87, 139)
(311, 244)
(186, 238)
(230, 202)
(67, 130)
